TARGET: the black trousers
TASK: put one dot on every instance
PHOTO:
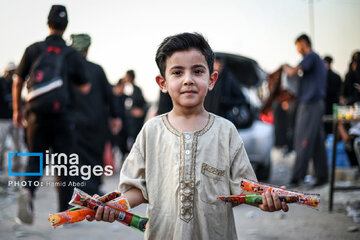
(44, 132)
(310, 141)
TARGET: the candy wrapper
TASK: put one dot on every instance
(83, 199)
(76, 214)
(132, 220)
(120, 204)
(88, 206)
(254, 199)
(69, 216)
(308, 199)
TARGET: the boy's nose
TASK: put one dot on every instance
(188, 79)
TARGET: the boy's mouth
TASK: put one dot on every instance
(188, 91)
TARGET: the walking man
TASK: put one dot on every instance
(48, 104)
(309, 128)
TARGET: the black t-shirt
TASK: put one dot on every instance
(74, 66)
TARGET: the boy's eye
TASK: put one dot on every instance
(178, 72)
(198, 71)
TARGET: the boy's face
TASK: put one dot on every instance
(187, 78)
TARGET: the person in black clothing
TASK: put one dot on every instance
(351, 86)
(350, 95)
(135, 106)
(333, 86)
(226, 93)
(165, 104)
(52, 129)
(91, 116)
(120, 139)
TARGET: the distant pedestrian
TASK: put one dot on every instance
(350, 133)
(121, 138)
(226, 93)
(48, 103)
(333, 91)
(309, 128)
(351, 86)
(91, 116)
(135, 106)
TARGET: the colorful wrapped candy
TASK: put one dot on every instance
(308, 199)
(76, 214)
(132, 220)
(89, 206)
(83, 199)
(69, 216)
(254, 199)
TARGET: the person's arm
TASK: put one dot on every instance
(18, 84)
(135, 198)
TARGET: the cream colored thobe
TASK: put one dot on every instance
(182, 174)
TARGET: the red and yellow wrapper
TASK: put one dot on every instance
(83, 199)
(90, 205)
(69, 216)
(308, 199)
(77, 214)
(254, 199)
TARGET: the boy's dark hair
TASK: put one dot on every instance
(305, 38)
(131, 74)
(57, 18)
(181, 42)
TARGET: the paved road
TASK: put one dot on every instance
(251, 223)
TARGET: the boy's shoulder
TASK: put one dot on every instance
(154, 122)
(226, 128)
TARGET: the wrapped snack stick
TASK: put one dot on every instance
(69, 216)
(120, 204)
(255, 199)
(133, 220)
(83, 199)
(109, 196)
(77, 214)
(308, 199)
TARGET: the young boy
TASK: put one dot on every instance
(183, 160)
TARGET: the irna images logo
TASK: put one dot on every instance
(59, 164)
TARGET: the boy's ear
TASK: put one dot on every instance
(213, 78)
(160, 80)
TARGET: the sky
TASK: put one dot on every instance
(126, 33)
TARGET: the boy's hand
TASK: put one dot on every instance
(105, 214)
(271, 202)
